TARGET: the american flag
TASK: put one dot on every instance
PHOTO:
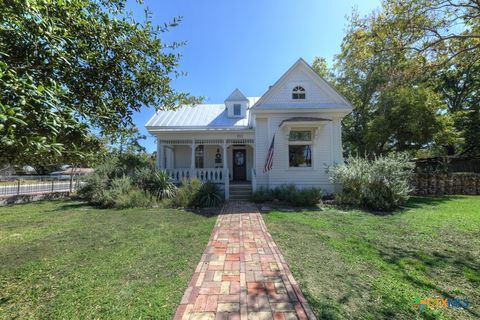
(269, 159)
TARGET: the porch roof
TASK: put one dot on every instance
(202, 116)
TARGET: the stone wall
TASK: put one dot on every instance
(448, 183)
(15, 199)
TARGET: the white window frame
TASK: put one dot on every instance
(201, 150)
(295, 91)
(301, 143)
(239, 105)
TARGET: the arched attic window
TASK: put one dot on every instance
(298, 93)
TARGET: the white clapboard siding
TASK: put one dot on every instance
(326, 151)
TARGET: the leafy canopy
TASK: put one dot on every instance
(72, 67)
(411, 70)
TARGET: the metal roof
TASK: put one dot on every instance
(207, 116)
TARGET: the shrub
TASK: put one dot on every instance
(107, 197)
(284, 192)
(290, 194)
(381, 184)
(118, 165)
(192, 193)
(134, 198)
(114, 193)
(262, 194)
(305, 197)
(92, 187)
(209, 195)
(186, 194)
(126, 180)
(156, 182)
(109, 168)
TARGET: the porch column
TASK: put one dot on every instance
(253, 170)
(192, 161)
(169, 151)
(225, 155)
(160, 154)
(225, 171)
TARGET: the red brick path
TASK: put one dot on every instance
(242, 274)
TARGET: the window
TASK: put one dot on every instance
(199, 157)
(300, 136)
(300, 155)
(298, 93)
(300, 148)
(237, 109)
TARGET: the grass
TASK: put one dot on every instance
(67, 260)
(352, 264)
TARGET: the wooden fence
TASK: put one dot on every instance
(447, 183)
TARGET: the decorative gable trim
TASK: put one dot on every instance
(316, 78)
(236, 95)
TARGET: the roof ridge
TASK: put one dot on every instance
(236, 95)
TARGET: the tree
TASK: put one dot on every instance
(69, 68)
(407, 58)
(446, 34)
(405, 119)
(396, 107)
(441, 30)
(320, 66)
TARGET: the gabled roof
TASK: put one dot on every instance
(318, 79)
(202, 116)
(236, 95)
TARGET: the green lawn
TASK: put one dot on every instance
(356, 265)
(66, 260)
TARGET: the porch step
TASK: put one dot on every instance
(240, 191)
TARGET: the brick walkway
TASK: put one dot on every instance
(242, 274)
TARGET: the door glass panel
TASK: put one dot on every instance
(239, 158)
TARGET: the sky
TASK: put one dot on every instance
(246, 44)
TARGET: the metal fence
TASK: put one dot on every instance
(27, 185)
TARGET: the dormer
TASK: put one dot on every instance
(236, 104)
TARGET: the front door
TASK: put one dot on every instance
(239, 165)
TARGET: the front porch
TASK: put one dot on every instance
(222, 161)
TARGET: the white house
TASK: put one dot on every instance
(228, 143)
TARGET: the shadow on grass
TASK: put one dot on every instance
(412, 264)
(414, 203)
(419, 202)
(206, 212)
(323, 308)
(328, 308)
(73, 205)
(4, 300)
(267, 207)
(80, 204)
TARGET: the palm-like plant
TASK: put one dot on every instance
(161, 186)
(156, 182)
(209, 195)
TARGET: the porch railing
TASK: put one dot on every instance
(217, 175)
